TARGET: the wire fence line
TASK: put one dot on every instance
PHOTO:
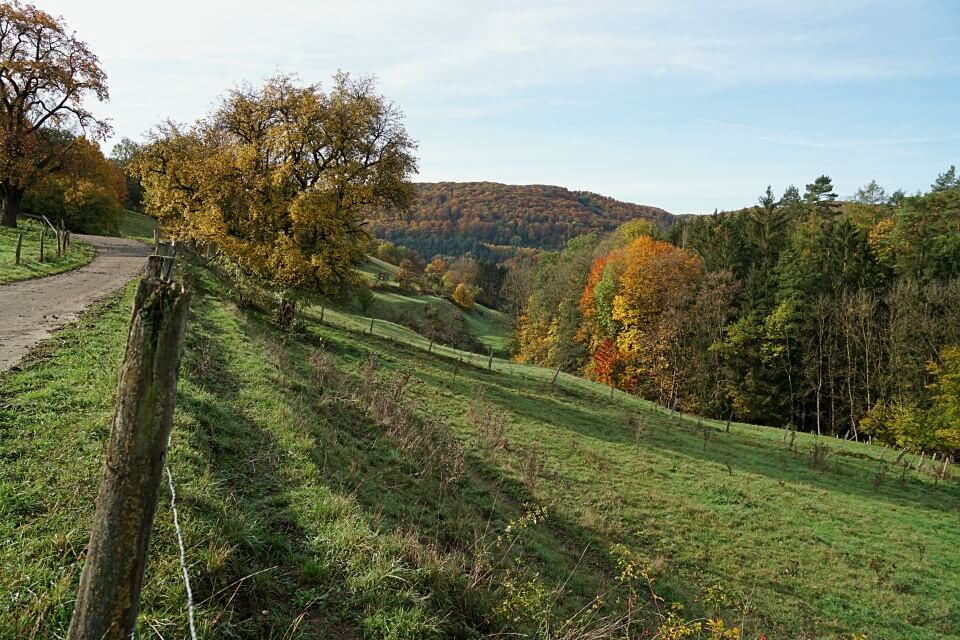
(183, 551)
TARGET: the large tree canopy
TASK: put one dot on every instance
(45, 76)
(279, 178)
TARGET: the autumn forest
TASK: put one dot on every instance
(806, 311)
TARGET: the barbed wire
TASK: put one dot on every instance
(183, 552)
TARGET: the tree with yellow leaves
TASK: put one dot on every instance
(278, 179)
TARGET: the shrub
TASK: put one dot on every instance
(464, 296)
(489, 420)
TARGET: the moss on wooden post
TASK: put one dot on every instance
(109, 593)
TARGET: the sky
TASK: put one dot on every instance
(685, 105)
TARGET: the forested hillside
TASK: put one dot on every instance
(492, 220)
(836, 318)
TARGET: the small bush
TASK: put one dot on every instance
(428, 445)
(818, 455)
(489, 420)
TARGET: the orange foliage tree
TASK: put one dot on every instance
(638, 300)
(47, 79)
(86, 190)
(464, 296)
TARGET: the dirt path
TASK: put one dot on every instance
(33, 309)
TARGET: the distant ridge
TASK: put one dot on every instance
(496, 220)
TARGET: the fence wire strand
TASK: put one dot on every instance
(183, 552)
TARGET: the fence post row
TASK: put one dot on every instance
(108, 597)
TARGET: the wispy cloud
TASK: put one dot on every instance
(513, 87)
(798, 139)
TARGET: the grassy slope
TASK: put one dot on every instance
(355, 539)
(490, 327)
(30, 266)
(138, 226)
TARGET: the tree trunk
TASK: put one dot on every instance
(286, 310)
(12, 197)
(108, 597)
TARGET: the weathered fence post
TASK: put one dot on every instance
(19, 246)
(108, 597)
(43, 232)
(371, 326)
(490, 361)
(156, 239)
(555, 375)
(322, 309)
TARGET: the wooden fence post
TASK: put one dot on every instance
(42, 234)
(19, 246)
(490, 361)
(108, 597)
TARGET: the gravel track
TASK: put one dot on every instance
(32, 310)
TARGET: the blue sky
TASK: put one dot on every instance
(686, 105)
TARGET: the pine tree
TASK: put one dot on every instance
(820, 197)
(946, 180)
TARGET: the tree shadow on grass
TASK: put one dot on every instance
(403, 492)
(256, 575)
